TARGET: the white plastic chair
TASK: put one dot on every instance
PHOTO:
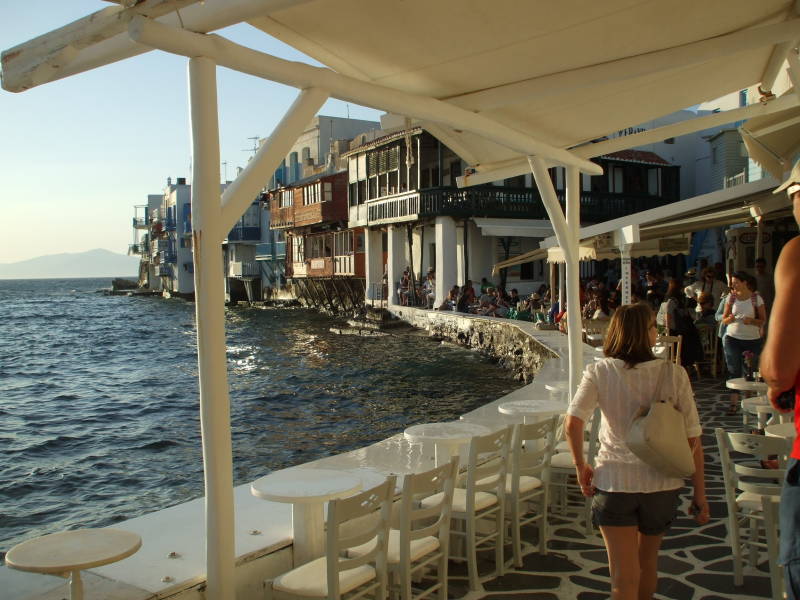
(336, 576)
(747, 484)
(422, 536)
(528, 484)
(482, 499)
(562, 469)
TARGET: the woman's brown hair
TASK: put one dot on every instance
(628, 336)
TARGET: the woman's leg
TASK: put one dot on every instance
(622, 545)
(733, 360)
(649, 546)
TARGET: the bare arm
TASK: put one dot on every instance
(780, 360)
(699, 501)
(727, 315)
(573, 429)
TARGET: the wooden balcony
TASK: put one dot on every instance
(280, 217)
(500, 202)
(321, 212)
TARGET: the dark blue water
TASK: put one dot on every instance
(99, 404)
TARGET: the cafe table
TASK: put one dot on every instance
(743, 385)
(447, 437)
(72, 552)
(533, 410)
(307, 490)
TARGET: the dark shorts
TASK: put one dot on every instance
(652, 513)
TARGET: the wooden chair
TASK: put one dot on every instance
(422, 534)
(528, 484)
(710, 344)
(482, 499)
(562, 470)
(747, 483)
(336, 576)
(594, 331)
(769, 508)
(673, 344)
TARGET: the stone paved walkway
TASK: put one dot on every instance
(695, 562)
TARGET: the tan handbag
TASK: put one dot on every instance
(658, 433)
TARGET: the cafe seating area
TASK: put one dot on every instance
(556, 554)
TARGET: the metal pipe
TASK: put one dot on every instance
(207, 235)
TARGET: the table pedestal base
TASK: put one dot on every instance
(307, 522)
(75, 586)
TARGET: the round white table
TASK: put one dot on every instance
(742, 385)
(306, 490)
(533, 410)
(73, 551)
(784, 430)
(447, 437)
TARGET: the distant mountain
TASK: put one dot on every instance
(92, 263)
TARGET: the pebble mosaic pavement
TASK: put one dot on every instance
(695, 561)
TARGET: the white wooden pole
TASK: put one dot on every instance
(239, 58)
(238, 196)
(775, 63)
(207, 234)
(574, 328)
(505, 169)
(625, 272)
(567, 239)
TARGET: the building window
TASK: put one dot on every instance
(285, 198)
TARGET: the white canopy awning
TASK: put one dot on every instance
(536, 228)
(773, 141)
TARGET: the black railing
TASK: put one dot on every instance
(244, 234)
(502, 202)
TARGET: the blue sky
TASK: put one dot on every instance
(77, 154)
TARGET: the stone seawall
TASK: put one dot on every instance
(500, 339)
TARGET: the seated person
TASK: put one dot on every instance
(451, 299)
(534, 303)
(514, 299)
(498, 306)
(402, 291)
(707, 313)
(603, 311)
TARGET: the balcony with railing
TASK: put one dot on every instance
(244, 269)
(244, 234)
(501, 202)
(169, 256)
(140, 223)
(169, 223)
(269, 251)
(164, 270)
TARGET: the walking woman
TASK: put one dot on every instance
(634, 504)
(743, 316)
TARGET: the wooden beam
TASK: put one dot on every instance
(100, 38)
(38, 61)
(239, 58)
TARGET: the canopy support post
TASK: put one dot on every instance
(566, 233)
(240, 194)
(215, 421)
(625, 238)
(574, 324)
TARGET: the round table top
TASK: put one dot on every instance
(299, 485)
(73, 550)
(784, 430)
(557, 386)
(544, 406)
(740, 383)
(449, 431)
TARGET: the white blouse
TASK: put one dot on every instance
(620, 393)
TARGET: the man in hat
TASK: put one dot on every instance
(780, 367)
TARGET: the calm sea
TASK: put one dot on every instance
(99, 404)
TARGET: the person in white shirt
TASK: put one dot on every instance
(707, 283)
(634, 504)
